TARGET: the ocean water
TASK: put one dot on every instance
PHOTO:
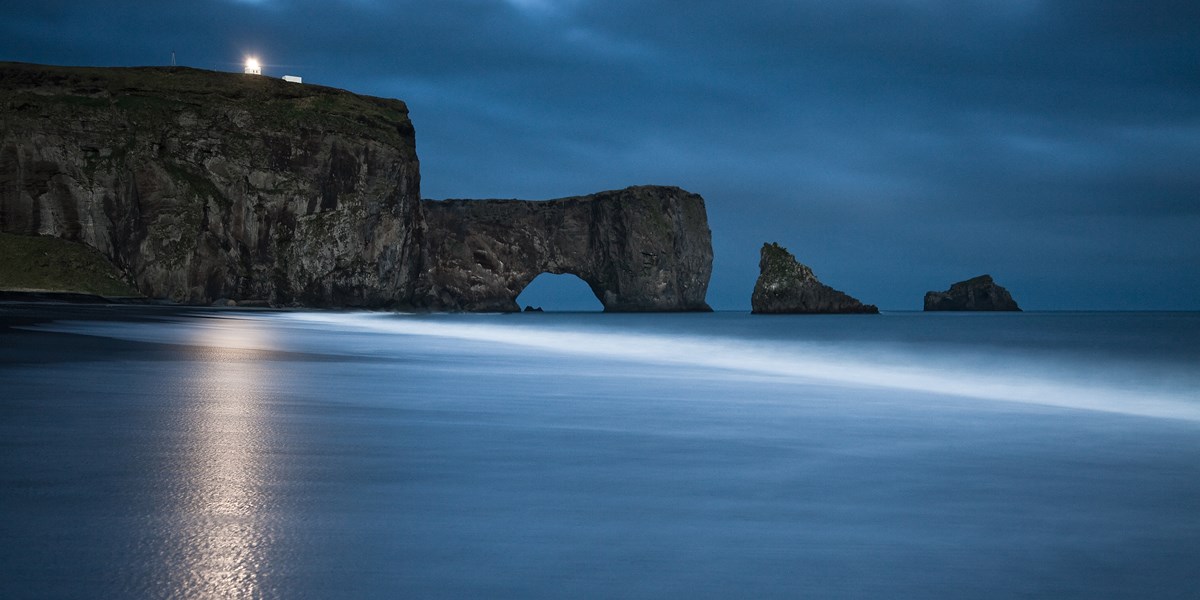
(194, 454)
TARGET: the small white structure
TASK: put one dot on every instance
(252, 66)
(293, 78)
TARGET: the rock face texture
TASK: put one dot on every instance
(639, 249)
(977, 293)
(201, 186)
(785, 286)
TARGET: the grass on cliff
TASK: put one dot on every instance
(45, 264)
(159, 95)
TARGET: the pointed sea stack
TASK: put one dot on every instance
(785, 286)
(977, 293)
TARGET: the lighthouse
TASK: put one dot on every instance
(252, 66)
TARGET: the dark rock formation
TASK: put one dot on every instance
(534, 309)
(201, 186)
(785, 286)
(978, 293)
(639, 249)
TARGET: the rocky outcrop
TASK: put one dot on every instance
(206, 187)
(977, 293)
(200, 185)
(786, 286)
(639, 249)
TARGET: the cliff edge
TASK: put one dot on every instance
(200, 185)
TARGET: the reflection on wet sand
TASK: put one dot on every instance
(329, 455)
(223, 546)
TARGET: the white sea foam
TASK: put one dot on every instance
(852, 364)
(1064, 386)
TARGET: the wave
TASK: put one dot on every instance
(1062, 385)
(984, 374)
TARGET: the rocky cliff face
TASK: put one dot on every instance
(786, 286)
(639, 249)
(201, 185)
(977, 293)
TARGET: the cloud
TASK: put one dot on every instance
(891, 141)
(541, 7)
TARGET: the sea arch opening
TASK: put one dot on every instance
(559, 293)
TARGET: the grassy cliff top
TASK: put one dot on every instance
(167, 91)
(45, 264)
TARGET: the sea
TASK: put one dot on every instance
(151, 452)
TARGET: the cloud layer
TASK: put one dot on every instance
(895, 146)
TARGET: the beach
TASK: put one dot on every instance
(175, 452)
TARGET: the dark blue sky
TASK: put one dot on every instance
(895, 147)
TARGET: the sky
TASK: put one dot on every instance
(893, 146)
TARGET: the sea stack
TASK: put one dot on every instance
(977, 293)
(786, 286)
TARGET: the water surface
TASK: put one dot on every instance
(315, 455)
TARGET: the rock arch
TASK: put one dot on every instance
(639, 249)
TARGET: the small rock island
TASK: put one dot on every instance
(978, 293)
(786, 286)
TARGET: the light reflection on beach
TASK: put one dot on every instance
(224, 543)
(362, 455)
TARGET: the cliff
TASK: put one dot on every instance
(977, 293)
(785, 286)
(200, 185)
(639, 249)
